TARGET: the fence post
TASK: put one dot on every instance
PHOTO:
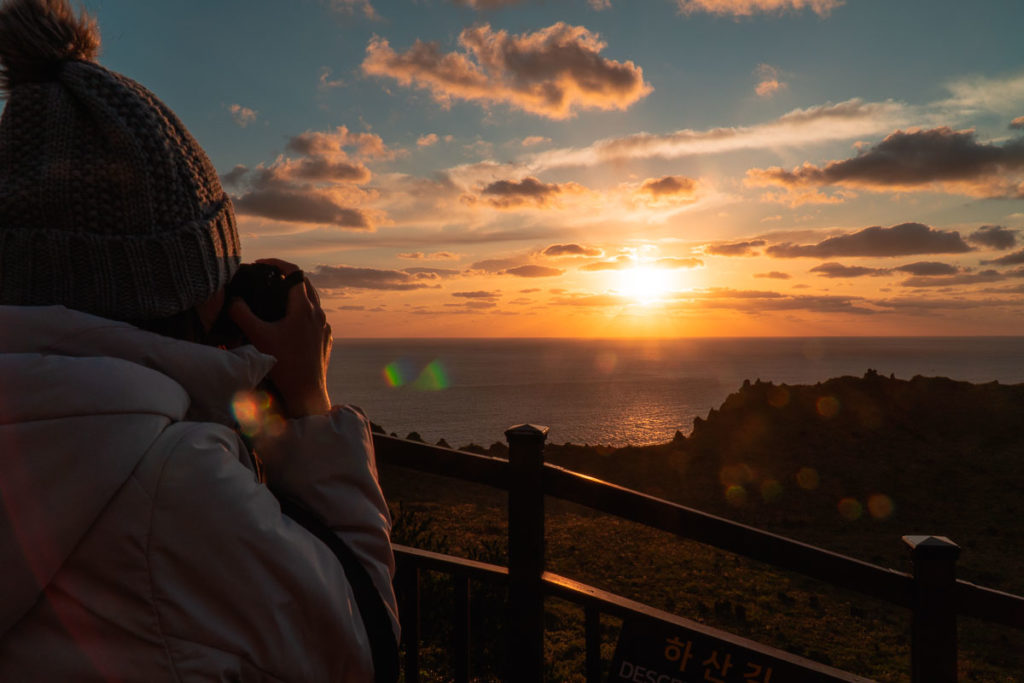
(933, 654)
(526, 552)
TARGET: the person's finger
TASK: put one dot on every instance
(284, 266)
(314, 295)
(298, 297)
(250, 324)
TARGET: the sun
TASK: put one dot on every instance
(646, 284)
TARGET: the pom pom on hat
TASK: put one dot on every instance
(37, 36)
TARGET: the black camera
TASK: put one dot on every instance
(264, 288)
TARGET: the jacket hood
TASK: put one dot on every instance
(82, 399)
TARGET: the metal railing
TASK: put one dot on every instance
(931, 591)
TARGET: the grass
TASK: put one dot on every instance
(946, 455)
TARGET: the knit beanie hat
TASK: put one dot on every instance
(107, 203)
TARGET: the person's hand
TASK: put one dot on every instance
(301, 342)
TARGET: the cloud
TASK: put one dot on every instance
(571, 250)
(486, 4)
(428, 140)
(899, 240)
(994, 236)
(533, 140)
(768, 81)
(300, 206)
(976, 94)
(734, 248)
(496, 265)
(533, 271)
(672, 186)
(348, 6)
(671, 262)
(958, 279)
(774, 275)
(325, 82)
(243, 116)
(1017, 123)
(440, 272)
(597, 5)
(746, 8)
(757, 303)
(928, 268)
(553, 72)
(510, 194)
(915, 160)
(320, 186)
(620, 262)
(838, 270)
(369, 145)
(349, 277)
(435, 256)
(477, 295)
(851, 119)
(1016, 258)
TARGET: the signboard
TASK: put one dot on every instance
(656, 652)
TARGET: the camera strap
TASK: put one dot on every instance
(376, 620)
(372, 610)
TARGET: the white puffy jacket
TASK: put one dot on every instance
(136, 543)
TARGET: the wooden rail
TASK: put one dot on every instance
(931, 592)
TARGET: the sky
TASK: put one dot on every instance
(612, 168)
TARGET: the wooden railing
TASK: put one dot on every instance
(932, 592)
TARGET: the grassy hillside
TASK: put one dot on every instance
(851, 465)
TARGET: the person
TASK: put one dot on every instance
(137, 540)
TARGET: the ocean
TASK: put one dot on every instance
(618, 392)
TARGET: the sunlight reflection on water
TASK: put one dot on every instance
(618, 392)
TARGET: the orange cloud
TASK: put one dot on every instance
(351, 277)
(531, 140)
(533, 271)
(768, 83)
(899, 240)
(670, 186)
(511, 194)
(553, 72)
(318, 187)
(913, 160)
(368, 145)
(243, 116)
(571, 250)
(746, 8)
(846, 120)
(746, 248)
(427, 140)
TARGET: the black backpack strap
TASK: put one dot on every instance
(383, 646)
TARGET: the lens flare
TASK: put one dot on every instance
(605, 362)
(851, 509)
(740, 473)
(433, 377)
(252, 411)
(880, 505)
(736, 495)
(393, 374)
(807, 478)
(778, 397)
(827, 406)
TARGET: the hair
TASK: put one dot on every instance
(36, 36)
